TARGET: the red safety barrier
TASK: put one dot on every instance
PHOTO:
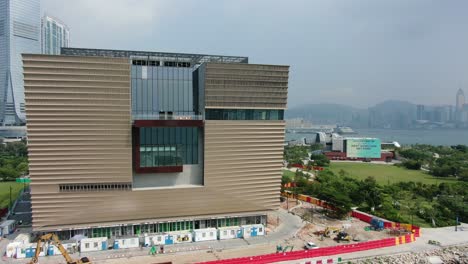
(305, 254)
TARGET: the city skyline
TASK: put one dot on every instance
(355, 54)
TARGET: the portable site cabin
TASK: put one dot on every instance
(154, 239)
(229, 232)
(71, 246)
(205, 234)
(23, 238)
(93, 244)
(11, 249)
(127, 242)
(182, 236)
(7, 227)
(253, 230)
(28, 251)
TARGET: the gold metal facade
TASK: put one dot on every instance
(246, 86)
(79, 131)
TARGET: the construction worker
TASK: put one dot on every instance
(152, 251)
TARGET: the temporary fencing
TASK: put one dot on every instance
(326, 251)
(415, 230)
(333, 250)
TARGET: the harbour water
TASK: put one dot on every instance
(445, 137)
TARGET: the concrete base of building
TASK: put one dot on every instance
(135, 230)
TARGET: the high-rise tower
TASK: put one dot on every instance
(55, 35)
(460, 101)
(19, 33)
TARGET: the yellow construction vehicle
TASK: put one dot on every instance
(56, 241)
(330, 230)
(343, 236)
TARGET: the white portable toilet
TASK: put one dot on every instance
(182, 236)
(30, 250)
(229, 232)
(53, 250)
(205, 234)
(93, 244)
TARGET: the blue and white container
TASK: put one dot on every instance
(127, 242)
(253, 230)
(229, 232)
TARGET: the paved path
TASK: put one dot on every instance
(293, 169)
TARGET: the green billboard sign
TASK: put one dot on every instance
(23, 180)
(363, 148)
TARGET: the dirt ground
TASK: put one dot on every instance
(273, 222)
(318, 221)
(292, 203)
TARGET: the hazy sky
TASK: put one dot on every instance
(356, 52)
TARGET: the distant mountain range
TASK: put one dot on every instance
(388, 114)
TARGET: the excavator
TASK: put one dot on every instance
(56, 241)
(343, 236)
(330, 230)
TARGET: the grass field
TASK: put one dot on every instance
(5, 192)
(385, 174)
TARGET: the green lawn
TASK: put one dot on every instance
(5, 192)
(385, 174)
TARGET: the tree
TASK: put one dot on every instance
(23, 168)
(295, 154)
(412, 164)
(371, 192)
(463, 175)
(320, 160)
(17, 149)
(8, 174)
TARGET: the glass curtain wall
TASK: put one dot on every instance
(243, 114)
(168, 146)
(160, 92)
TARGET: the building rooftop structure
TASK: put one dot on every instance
(182, 57)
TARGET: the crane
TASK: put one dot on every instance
(56, 241)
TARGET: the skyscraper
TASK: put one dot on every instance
(420, 112)
(55, 35)
(19, 33)
(460, 101)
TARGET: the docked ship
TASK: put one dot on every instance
(344, 130)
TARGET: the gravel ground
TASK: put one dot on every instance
(448, 255)
(319, 222)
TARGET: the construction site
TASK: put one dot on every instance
(325, 231)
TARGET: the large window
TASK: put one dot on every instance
(168, 146)
(244, 114)
(157, 89)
